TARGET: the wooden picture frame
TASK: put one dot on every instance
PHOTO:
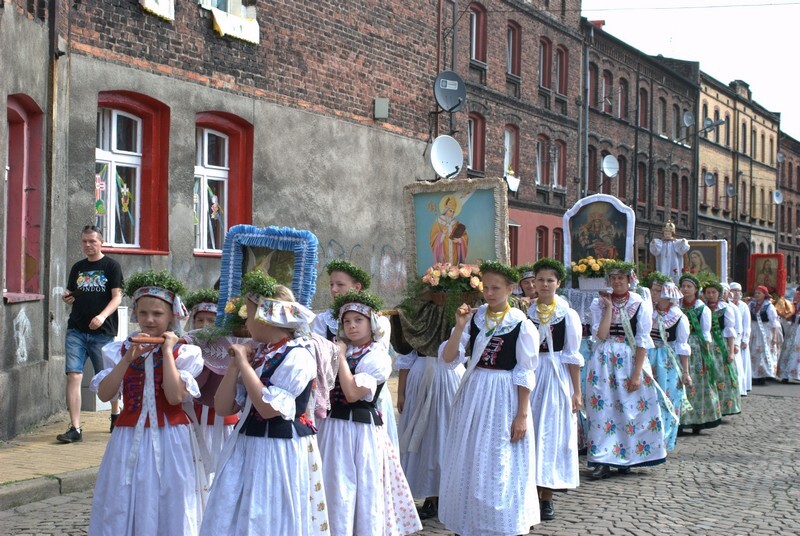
(290, 254)
(599, 225)
(769, 270)
(710, 255)
(455, 221)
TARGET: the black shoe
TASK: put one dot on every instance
(624, 470)
(600, 472)
(114, 417)
(785, 380)
(696, 431)
(72, 435)
(548, 513)
(759, 381)
(428, 510)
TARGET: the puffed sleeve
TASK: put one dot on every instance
(682, 246)
(190, 364)
(681, 344)
(462, 349)
(597, 311)
(644, 323)
(527, 353)
(730, 322)
(290, 379)
(772, 314)
(571, 353)
(405, 361)
(655, 246)
(112, 354)
(705, 323)
(385, 336)
(319, 326)
(746, 323)
(373, 369)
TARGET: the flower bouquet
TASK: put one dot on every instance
(445, 278)
(236, 316)
(590, 272)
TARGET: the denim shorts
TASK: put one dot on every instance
(80, 345)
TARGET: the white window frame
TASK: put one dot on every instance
(470, 142)
(510, 49)
(473, 35)
(556, 164)
(208, 173)
(114, 157)
(5, 208)
(509, 143)
(540, 160)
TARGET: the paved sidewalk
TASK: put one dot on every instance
(36, 466)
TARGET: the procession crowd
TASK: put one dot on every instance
(275, 420)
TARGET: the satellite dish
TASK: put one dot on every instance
(781, 158)
(446, 157)
(688, 119)
(449, 91)
(730, 190)
(709, 179)
(707, 122)
(610, 166)
(777, 197)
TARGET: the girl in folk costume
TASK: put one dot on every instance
(737, 341)
(344, 277)
(669, 358)
(623, 411)
(368, 493)
(269, 478)
(789, 364)
(723, 349)
(746, 379)
(766, 336)
(557, 397)
(702, 395)
(488, 475)
(212, 430)
(148, 482)
(426, 385)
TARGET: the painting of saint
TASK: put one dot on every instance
(767, 274)
(599, 231)
(449, 236)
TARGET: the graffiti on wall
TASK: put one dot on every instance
(22, 335)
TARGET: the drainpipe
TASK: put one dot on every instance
(585, 149)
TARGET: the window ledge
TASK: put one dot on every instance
(212, 254)
(477, 64)
(21, 297)
(513, 78)
(134, 251)
(475, 173)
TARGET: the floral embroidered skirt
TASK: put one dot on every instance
(625, 429)
(727, 383)
(762, 354)
(789, 364)
(668, 378)
(703, 395)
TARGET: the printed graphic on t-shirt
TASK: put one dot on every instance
(92, 281)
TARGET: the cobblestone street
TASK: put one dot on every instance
(740, 478)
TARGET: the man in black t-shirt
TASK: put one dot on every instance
(94, 290)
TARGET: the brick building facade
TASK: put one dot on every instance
(789, 210)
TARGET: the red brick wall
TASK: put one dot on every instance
(328, 56)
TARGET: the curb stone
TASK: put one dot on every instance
(45, 487)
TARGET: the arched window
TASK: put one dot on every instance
(560, 163)
(677, 121)
(727, 130)
(643, 106)
(542, 159)
(622, 178)
(791, 180)
(132, 172)
(662, 115)
(545, 62)
(223, 178)
(562, 70)
(743, 148)
(674, 192)
(605, 180)
(641, 177)
(592, 188)
(593, 82)
(477, 32)
(622, 109)
(558, 244)
(763, 145)
(727, 205)
(716, 190)
(705, 116)
(513, 49)
(662, 188)
(541, 242)
(704, 186)
(23, 196)
(743, 195)
(684, 194)
(511, 150)
(763, 211)
(716, 128)
(476, 138)
(607, 92)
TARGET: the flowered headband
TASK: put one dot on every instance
(202, 307)
(179, 311)
(670, 290)
(362, 308)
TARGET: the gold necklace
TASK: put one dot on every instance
(495, 318)
(545, 312)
